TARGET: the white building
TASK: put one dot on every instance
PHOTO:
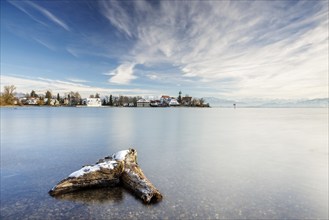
(143, 103)
(92, 102)
(173, 102)
(32, 101)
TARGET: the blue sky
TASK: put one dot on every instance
(224, 49)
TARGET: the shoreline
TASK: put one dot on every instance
(85, 106)
(223, 107)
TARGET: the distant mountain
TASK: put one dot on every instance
(316, 102)
(276, 103)
(216, 102)
(299, 103)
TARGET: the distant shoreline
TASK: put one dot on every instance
(85, 106)
(223, 107)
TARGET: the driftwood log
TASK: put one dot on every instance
(121, 167)
(134, 179)
(100, 175)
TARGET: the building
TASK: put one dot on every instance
(186, 101)
(66, 101)
(164, 100)
(53, 102)
(92, 102)
(173, 102)
(143, 103)
(166, 97)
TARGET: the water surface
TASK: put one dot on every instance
(208, 163)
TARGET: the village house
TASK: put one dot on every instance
(92, 102)
(186, 101)
(143, 103)
(66, 101)
(32, 101)
(173, 102)
(164, 100)
(53, 102)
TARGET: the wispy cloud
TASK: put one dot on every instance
(25, 6)
(123, 74)
(83, 50)
(20, 5)
(43, 43)
(232, 49)
(77, 80)
(267, 49)
(72, 52)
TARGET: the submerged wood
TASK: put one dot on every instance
(121, 167)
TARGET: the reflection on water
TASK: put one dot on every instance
(92, 196)
(208, 163)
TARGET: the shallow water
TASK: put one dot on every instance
(208, 163)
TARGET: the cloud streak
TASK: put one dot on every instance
(47, 45)
(268, 49)
(26, 6)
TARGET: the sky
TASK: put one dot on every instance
(225, 49)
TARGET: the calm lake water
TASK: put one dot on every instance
(208, 163)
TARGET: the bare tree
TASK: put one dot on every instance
(8, 95)
(120, 101)
(195, 102)
(74, 98)
(201, 101)
(126, 99)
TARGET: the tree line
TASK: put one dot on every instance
(8, 97)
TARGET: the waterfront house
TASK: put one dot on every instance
(66, 101)
(143, 103)
(32, 101)
(186, 101)
(173, 102)
(164, 100)
(92, 102)
(52, 102)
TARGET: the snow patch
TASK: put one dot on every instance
(121, 155)
(88, 169)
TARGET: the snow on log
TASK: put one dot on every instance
(105, 173)
(120, 167)
(134, 179)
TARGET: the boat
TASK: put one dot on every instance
(154, 103)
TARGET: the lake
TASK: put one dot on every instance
(209, 163)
